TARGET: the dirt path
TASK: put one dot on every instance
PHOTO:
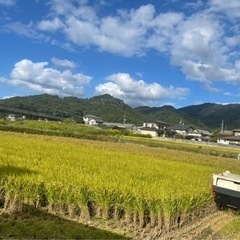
(206, 227)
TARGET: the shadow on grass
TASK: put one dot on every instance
(8, 170)
(32, 223)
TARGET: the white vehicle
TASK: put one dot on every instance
(226, 189)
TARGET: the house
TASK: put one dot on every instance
(153, 131)
(191, 133)
(156, 124)
(236, 132)
(153, 128)
(199, 135)
(112, 125)
(11, 117)
(92, 120)
(182, 130)
(229, 137)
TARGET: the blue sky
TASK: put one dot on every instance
(151, 53)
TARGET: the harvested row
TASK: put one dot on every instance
(135, 185)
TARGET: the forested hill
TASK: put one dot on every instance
(110, 109)
(212, 115)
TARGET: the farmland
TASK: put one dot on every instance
(134, 185)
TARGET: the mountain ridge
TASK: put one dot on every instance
(207, 115)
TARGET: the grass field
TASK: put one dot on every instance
(130, 183)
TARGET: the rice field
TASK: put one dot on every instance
(84, 179)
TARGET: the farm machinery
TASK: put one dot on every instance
(226, 190)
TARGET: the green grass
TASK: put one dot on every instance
(68, 129)
(213, 150)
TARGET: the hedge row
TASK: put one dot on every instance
(20, 129)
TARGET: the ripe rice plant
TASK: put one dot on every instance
(87, 179)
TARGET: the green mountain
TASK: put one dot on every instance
(47, 104)
(170, 115)
(213, 115)
(110, 109)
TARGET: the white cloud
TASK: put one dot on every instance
(7, 2)
(26, 30)
(3, 79)
(200, 51)
(63, 63)
(198, 38)
(50, 25)
(210, 88)
(138, 92)
(200, 41)
(128, 33)
(195, 43)
(195, 5)
(233, 41)
(38, 77)
(231, 9)
(163, 27)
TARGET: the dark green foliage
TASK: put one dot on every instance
(108, 108)
(205, 116)
(111, 109)
(169, 115)
(66, 129)
(212, 115)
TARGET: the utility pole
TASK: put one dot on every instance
(124, 118)
(222, 126)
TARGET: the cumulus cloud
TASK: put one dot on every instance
(63, 63)
(127, 33)
(233, 41)
(196, 43)
(47, 25)
(41, 78)
(197, 40)
(231, 9)
(199, 50)
(138, 92)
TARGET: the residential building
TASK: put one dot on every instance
(156, 129)
(199, 135)
(92, 120)
(112, 125)
(182, 130)
(229, 137)
(11, 117)
(156, 124)
(153, 131)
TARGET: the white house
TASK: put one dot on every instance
(154, 128)
(182, 130)
(154, 132)
(113, 125)
(156, 124)
(92, 120)
(11, 117)
(229, 137)
(199, 135)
